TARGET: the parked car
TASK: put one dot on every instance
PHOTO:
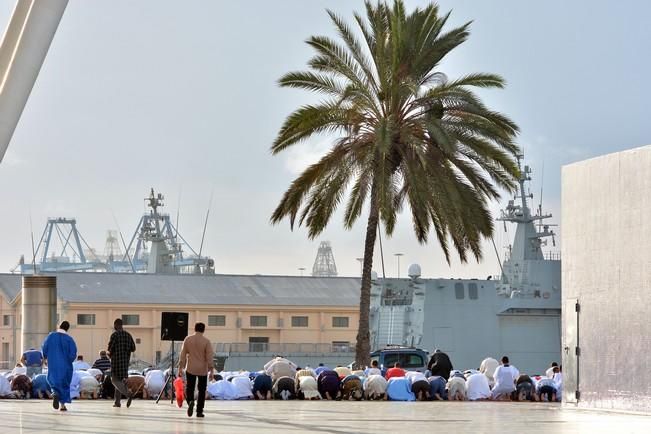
(410, 358)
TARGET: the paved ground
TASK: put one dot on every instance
(317, 417)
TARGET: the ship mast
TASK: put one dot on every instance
(528, 241)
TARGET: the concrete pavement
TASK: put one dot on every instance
(146, 417)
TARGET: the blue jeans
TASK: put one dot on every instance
(437, 386)
(33, 371)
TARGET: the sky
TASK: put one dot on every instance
(183, 97)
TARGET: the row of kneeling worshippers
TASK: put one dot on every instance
(282, 379)
(85, 384)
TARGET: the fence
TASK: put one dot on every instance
(285, 348)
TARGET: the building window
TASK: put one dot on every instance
(131, 320)
(473, 293)
(458, 291)
(217, 320)
(258, 344)
(340, 321)
(137, 340)
(6, 320)
(258, 321)
(299, 321)
(85, 319)
(341, 346)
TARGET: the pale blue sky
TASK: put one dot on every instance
(182, 96)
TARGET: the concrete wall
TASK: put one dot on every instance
(606, 240)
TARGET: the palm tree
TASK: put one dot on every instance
(403, 136)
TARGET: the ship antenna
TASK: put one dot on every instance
(499, 261)
(542, 179)
(205, 223)
(126, 249)
(31, 230)
(176, 235)
(178, 211)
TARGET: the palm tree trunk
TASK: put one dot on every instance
(363, 345)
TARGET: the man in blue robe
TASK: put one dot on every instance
(60, 351)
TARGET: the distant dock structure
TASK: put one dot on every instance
(155, 247)
(324, 264)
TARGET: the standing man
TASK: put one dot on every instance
(32, 359)
(60, 351)
(120, 347)
(440, 364)
(196, 359)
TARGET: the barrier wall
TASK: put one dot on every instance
(606, 239)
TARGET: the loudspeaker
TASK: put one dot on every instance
(173, 326)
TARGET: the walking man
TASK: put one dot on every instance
(197, 361)
(60, 351)
(120, 347)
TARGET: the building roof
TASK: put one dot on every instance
(197, 289)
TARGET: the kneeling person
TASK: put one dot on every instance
(456, 389)
(40, 388)
(284, 388)
(262, 386)
(375, 387)
(351, 388)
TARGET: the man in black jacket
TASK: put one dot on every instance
(440, 364)
(120, 347)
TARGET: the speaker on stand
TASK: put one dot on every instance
(173, 327)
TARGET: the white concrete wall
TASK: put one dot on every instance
(606, 250)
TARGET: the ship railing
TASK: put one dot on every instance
(283, 348)
(552, 256)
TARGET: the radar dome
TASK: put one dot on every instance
(414, 271)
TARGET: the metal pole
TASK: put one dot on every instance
(22, 52)
(398, 255)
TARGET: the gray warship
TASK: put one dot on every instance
(517, 313)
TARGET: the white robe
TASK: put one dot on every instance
(222, 389)
(154, 382)
(5, 387)
(375, 385)
(488, 367)
(477, 387)
(88, 384)
(309, 387)
(415, 376)
(505, 377)
(80, 365)
(75, 385)
(455, 386)
(243, 387)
